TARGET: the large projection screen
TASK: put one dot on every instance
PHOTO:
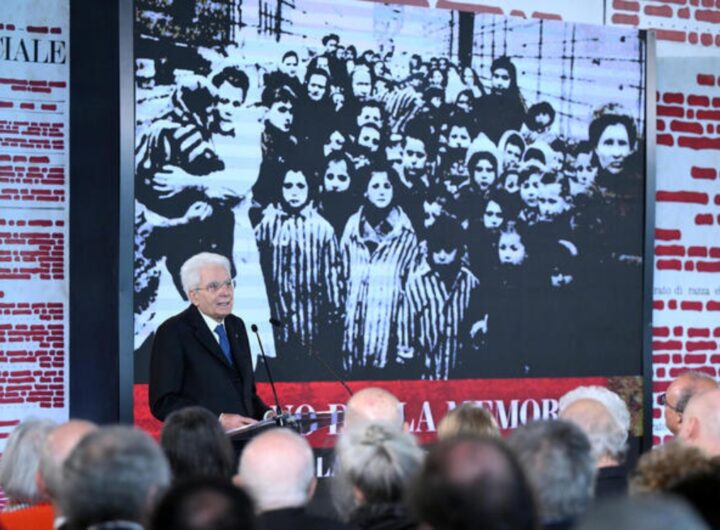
(453, 217)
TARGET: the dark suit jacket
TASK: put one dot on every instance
(187, 367)
(297, 519)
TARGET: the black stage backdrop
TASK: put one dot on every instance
(455, 216)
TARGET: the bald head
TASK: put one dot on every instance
(277, 469)
(600, 427)
(701, 422)
(58, 446)
(678, 395)
(604, 418)
(374, 405)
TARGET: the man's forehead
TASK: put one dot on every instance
(213, 270)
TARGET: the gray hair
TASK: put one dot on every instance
(20, 461)
(190, 270)
(648, 512)
(379, 461)
(277, 468)
(605, 440)
(556, 456)
(114, 473)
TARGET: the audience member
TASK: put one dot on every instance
(196, 446)
(658, 470)
(700, 490)
(677, 395)
(57, 448)
(604, 418)
(470, 482)
(557, 457)
(278, 470)
(701, 422)
(373, 404)
(27, 505)
(204, 504)
(467, 419)
(376, 463)
(113, 479)
(647, 513)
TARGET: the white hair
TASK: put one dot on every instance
(190, 270)
(378, 460)
(611, 442)
(277, 468)
(20, 461)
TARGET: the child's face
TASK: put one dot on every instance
(585, 173)
(511, 156)
(459, 137)
(295, 189)
(551, 203)
(443, 257)
(484, 174)
(493, 216)
(557, 161)
(529, 191)
(511, 182)
(337, 177)
(511, 249)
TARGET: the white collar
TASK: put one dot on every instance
(212, 324)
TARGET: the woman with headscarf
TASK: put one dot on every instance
(379, 249)
(503, 109)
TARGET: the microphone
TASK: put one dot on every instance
(277, 324)
(280, 418)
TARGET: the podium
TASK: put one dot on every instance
(304, 423)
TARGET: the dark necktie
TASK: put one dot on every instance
(224, 342)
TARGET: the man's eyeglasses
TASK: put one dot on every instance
(214, 287)
(664, 402)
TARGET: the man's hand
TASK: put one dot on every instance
(230, 422)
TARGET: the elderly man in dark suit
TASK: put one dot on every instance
(202, 355)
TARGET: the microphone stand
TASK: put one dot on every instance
(281, 420)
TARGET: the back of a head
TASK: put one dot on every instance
(467, 419)
(642, 513)
(700, 490)
(691, 383)
(557, 458)
(56, 449)
(196, 445)
(467, 480)
(277, 468)
(602, 415)
(204, 504)
(373, 405)
(21, 459)
(377, 461)
(658, 470)
(114, 473)
(701, 422)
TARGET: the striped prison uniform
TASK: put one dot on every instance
(375, 281)
(301, 263)
(432, 317)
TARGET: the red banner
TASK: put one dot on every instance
(425, 403)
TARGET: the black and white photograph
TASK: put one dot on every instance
(403, 193)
